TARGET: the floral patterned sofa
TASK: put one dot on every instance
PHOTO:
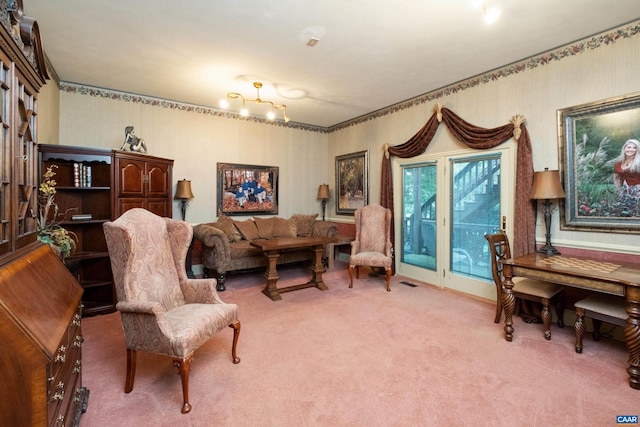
(226, 243)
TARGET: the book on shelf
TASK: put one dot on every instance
(81, 217)
(81, 175)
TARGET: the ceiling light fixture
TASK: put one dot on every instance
(491, 14)
(245, 112)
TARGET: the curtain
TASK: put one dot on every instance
(481, 139)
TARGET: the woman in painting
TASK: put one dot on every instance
(626, 169)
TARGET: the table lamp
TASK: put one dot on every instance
(546, 186)
(324, 195)
(183, 192)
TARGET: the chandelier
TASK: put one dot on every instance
(245, 112)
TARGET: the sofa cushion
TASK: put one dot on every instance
(248, 229)
(265, 227)
(304, 223)
(225, 224)
(284, 228)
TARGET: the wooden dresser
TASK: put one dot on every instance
(40, 342)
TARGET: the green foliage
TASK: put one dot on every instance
(50, 231)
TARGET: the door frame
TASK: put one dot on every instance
(442, 277)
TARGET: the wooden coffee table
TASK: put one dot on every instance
(272, 249)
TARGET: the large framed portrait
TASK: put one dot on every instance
(599, 147)
(247, 189)
(352, 182)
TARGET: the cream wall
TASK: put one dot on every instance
(196, 141)
(49, 113)
(607, 71)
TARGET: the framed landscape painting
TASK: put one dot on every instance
(600, 164)
(247, 189)
(352, 182)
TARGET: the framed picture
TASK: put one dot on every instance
(600, 164)
(247, 189)
(352, 182)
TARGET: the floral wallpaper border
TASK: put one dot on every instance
(576, 48)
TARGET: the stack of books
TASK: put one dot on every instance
(81, 175)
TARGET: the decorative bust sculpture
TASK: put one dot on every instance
(132, 141)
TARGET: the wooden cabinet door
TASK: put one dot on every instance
(131, 178)
(159, 207)
(125, 204)
(157, 180)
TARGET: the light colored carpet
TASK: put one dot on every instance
(362, 357)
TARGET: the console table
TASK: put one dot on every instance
(272, 249)
(586, 273)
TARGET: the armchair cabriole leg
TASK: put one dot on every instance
(236, 333)
(351, 267)
(184, 366)
(388, 279)
(131, 370)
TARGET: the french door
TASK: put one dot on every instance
(448, 203)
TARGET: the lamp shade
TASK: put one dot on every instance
(323, 192)
(183, 191)
(546, 185)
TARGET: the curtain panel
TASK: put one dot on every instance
(481, 139)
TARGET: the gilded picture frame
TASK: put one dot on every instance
(591, 140)
(247, 189)
(352, 182)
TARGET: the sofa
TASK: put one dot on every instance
(226, 243)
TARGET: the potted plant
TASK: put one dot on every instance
(50, 232)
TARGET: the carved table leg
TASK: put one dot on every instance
(632, 335)
(546, 318)
(580, 328)
(272, 277)
(318, 268)
(508, 302)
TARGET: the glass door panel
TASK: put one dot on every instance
(419, 205)
(475, 209)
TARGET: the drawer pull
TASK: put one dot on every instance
(58, 396)
(61, 357)
(60, 385)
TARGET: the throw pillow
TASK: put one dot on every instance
(284, 228)
(225, 224)
(304, 223)
(248, 229)
(265, 227)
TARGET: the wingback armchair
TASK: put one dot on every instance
(372, 245)
(163, 311)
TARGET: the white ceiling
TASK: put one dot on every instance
(371, 53)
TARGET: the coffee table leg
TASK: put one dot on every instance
(318, 268)
(272, 277)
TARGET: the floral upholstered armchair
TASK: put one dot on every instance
(163, 311)
(372, 246)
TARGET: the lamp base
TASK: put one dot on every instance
(548, 250)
